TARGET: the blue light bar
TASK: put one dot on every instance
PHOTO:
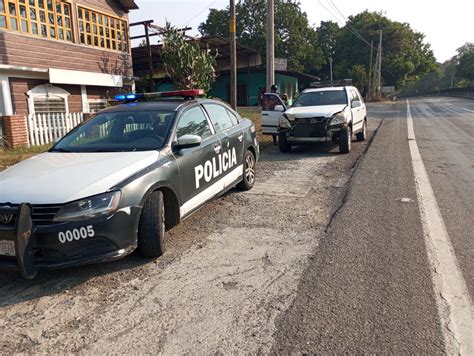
(126, 97)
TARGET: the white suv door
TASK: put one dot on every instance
(269, 115)
(358, 110)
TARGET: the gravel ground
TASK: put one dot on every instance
(229, 272)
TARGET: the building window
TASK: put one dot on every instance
(47, 98)
(103, 31)
(46, 18)
(96, 105)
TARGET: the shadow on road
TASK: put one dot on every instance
(271, 153)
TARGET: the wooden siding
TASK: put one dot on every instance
(20, 86)
(28, 51)
(32, 51)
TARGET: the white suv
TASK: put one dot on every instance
(328, 114)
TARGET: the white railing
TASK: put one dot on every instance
(46, 128)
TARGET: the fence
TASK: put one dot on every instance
(467, 93)
(46, 128)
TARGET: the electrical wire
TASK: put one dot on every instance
(347, 23)
(200, 13)
(349, 27)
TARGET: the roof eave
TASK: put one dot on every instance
(128, 5)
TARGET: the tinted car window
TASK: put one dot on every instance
(318, 98)
(119, 132)
(193, 122)
(219, 117)
(233, 117)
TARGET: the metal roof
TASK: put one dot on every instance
(217, 44)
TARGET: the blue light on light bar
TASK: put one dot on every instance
(126, 97)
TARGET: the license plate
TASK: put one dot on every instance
(7, 248)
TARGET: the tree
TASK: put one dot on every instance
(295, 39)
(328, 31)
(405, 55)
(185, 62)
(359, 75)
(465, 69)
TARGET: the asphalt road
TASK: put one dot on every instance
(328, 253)
(369, 287)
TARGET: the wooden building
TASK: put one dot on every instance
(63, 55)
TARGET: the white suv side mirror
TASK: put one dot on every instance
(356, 104)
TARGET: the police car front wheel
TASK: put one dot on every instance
(151, 230)
(248, 179)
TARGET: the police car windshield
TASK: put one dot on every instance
(119, 132)
(320, 98)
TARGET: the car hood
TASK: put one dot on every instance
(57, 178)
(314, 111)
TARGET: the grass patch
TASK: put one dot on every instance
(253, 113)
(9, 157)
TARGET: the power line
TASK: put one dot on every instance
(347, 23)
(200, 13)
(349, 27)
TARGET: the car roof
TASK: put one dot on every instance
(311, 90)
(160, 105)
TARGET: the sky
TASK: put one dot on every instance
(447, 25)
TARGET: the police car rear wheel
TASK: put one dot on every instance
(249, 172)
(151, 231)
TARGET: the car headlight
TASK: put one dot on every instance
(284, 123)
(89, 208)
(339, 118)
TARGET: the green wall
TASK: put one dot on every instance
(248, 86)
(253, 82)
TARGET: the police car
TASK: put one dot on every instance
(118, 181)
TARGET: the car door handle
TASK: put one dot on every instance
(240, 137)
(217, 149)
(264, 114)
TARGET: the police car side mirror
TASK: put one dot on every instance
(280, 108)
(187, 141)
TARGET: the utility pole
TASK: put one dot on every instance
(330, 67)
(270, 43)
(379, 83)
(369, 94)
(233, 57)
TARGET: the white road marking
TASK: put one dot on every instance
(452, 297)
(460, 107)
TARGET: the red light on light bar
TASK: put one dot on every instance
(191, 93)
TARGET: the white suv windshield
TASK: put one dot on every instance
(119, 132)
(319, 98)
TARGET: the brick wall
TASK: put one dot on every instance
(15, 131)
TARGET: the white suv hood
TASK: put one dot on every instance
(57, 178)
(304, 112)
